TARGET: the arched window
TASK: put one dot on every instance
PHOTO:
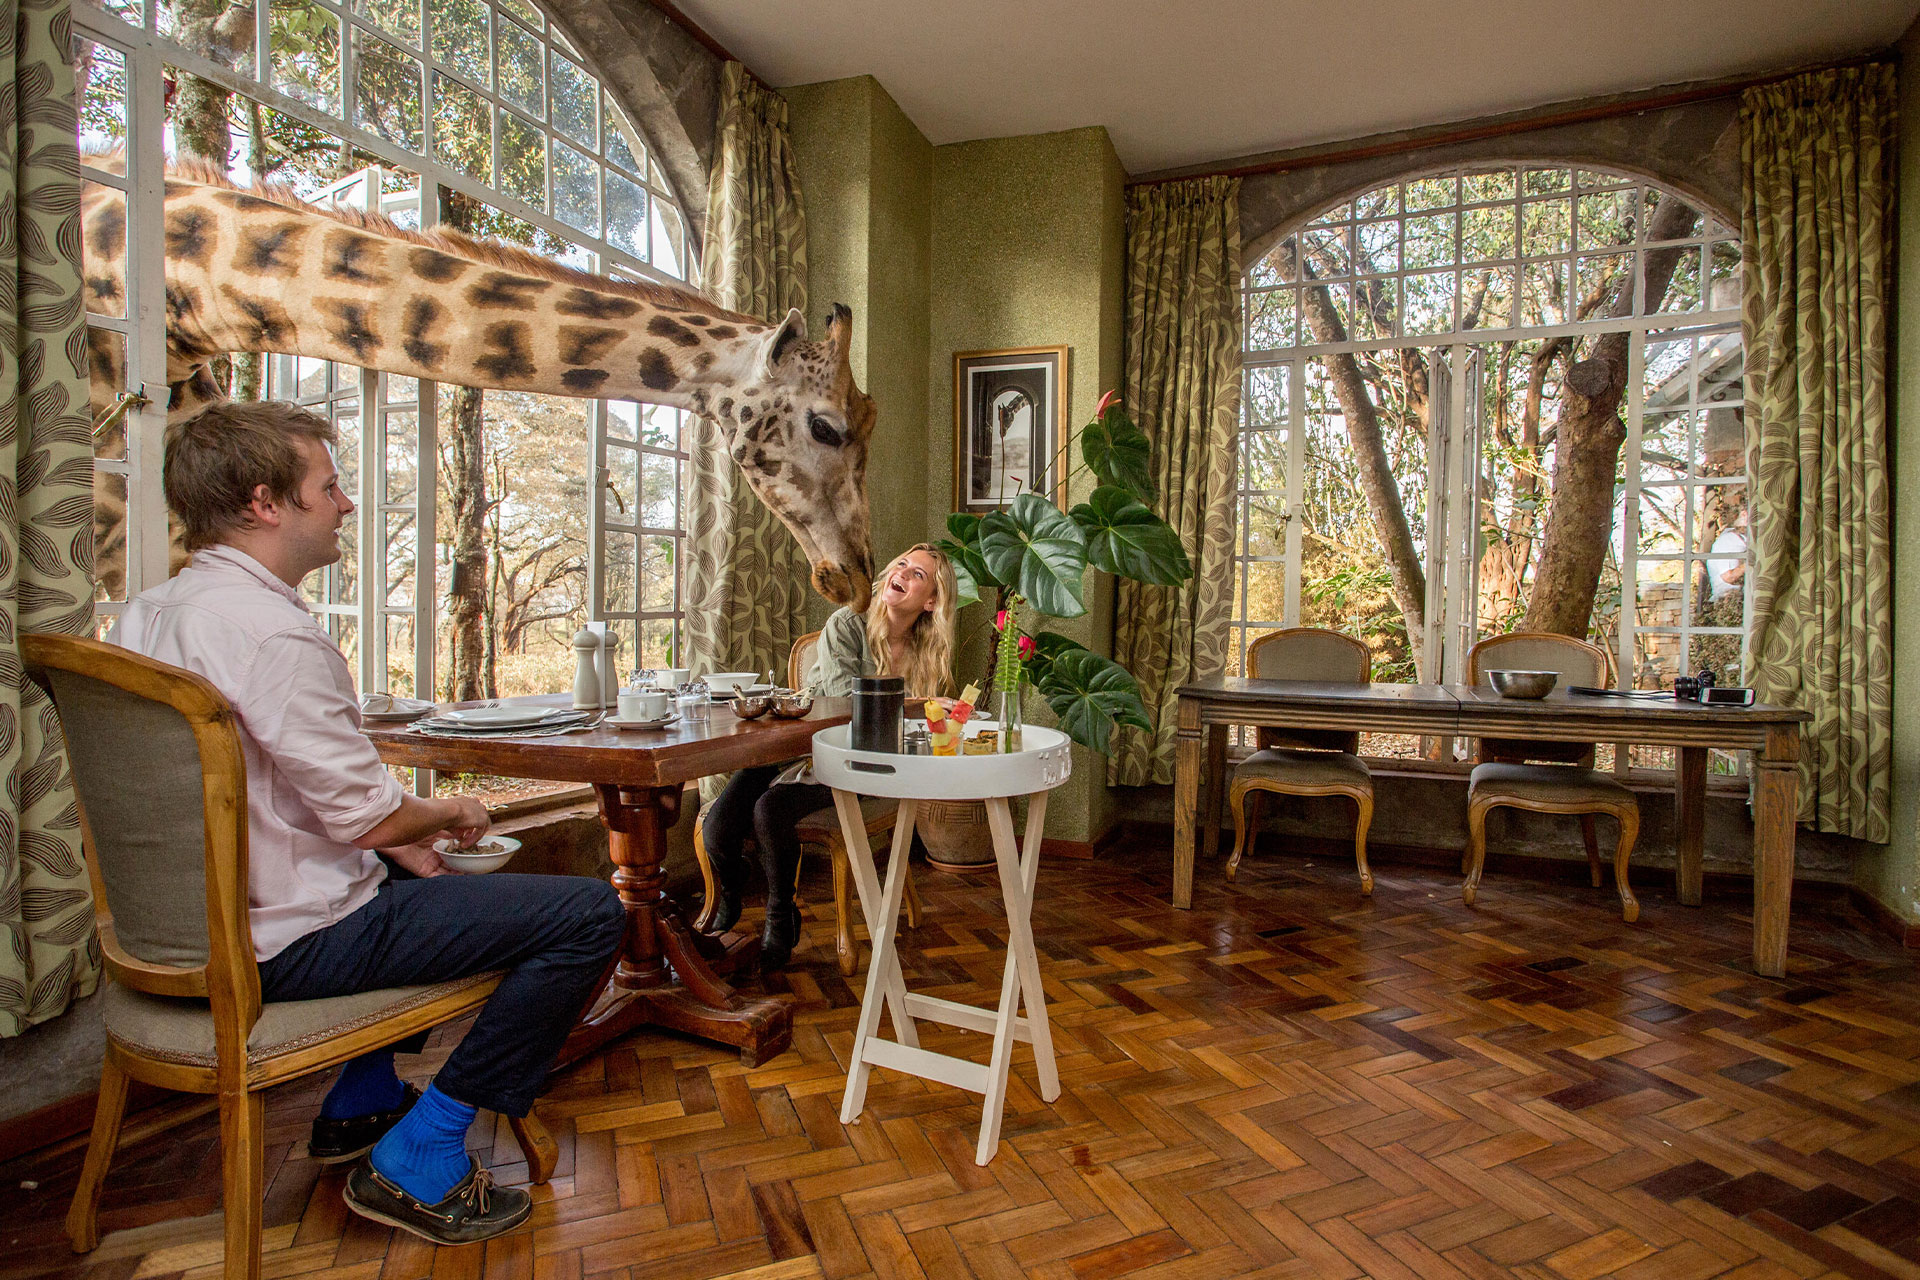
(479, 114)
(1435, 366)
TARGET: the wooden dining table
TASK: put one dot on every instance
(1209, 708)
(668, 975)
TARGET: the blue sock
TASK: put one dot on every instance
(426, 1153)
(367, 1086)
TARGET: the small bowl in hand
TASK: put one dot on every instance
(789, 704)
(751, 706)
(1523, 684)
(490, 854)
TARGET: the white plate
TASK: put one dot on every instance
(665, 722)
(505, 717)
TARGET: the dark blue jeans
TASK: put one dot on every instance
(555, 936)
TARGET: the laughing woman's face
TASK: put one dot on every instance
(907, 585)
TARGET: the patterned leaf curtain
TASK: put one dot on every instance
(1183, 388)
(1817, 222)
(48, 953)
(746, 578)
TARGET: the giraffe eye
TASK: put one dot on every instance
(823, 430)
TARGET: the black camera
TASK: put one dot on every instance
(1704, 689)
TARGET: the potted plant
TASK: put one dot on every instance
(1031, 559)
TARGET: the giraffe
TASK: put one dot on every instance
(258, 269)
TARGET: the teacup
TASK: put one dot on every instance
(644, 704)
(671, 677)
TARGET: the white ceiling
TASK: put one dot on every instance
(1182, 83)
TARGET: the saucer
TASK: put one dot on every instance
(664, 722)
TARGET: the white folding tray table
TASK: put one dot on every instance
(1043, 764)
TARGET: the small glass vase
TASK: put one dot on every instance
(1011, 718)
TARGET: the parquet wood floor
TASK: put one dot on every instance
(1287, 1081)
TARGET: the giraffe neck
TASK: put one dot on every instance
(246, 273)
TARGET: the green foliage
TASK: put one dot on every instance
(1090, 694)
(1047, 646)
(1119, 453)
(1125, 538)
(1039, 552)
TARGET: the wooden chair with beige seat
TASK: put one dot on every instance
(162, 787)
(1305, 762)
(821, 830)
(1547, 777)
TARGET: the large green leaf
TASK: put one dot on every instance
(965, 528)
(1036, 549)
(970, 577)
(1124, 537)
(1090, 694)
(1119, 453)
(1046, 647)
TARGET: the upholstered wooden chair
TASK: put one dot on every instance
(821, 830)
(1547, 777)
(1305, 762)
(162, 787)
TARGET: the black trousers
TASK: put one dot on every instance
(555, 936)
(751, 805)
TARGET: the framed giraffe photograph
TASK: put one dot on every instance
(1009, 425)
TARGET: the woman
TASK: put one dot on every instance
(907, 632)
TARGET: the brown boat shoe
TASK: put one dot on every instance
(474, 1210)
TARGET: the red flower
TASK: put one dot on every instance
(1026, 646)
(1106, 401)
(1000, 620)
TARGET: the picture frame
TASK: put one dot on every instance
(1009, 410)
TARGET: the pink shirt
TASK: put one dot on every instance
(314, 782)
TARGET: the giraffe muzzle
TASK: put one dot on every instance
(842, 585)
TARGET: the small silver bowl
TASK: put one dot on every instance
(789, 704)
(1523, 684)
(751, 706)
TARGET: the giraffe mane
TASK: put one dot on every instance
(485, 252)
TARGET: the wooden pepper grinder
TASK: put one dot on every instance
(586, 670)
(609, 668)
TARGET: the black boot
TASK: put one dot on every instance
(729, 881)
(779, 934)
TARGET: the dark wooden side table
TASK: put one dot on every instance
(667, 976)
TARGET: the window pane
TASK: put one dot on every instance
(403, 451)
(1266, 527)
(1487, 186)
(460, 41)
(400, 18)
(656, 573)
(1270, 321)
(400, 551)
(623, 485)
(659, 491)
(660, 426)
(400, 656)
(1487, 302)
(1265, 402)
(523, 10)
(1487, 233)
(1606, 218)
(574, 95)
(617, 573)
(1545, 226)
(1430, 302)
(1429, 241)
(521, 80)
(103, 109)
(109, 534)
(462, 133)
(523, 160)
(1719, 593)
(668, 237)
(623, 144)
(1263, 461)
(1543, 294)
(1720, 519)
(626, 215)
(576, 189)
(1378, 246)
(1683, 288)
(623, 417)
(1432, 193)
(304, 41)
(386, 93)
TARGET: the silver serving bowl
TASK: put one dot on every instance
(1524, 684)
(751, 706)
(789, 704)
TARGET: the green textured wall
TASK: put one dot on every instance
(1892, 874)
(866, 179)
(1028, 239)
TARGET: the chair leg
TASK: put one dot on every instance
(1476, 855)
(845, 953)
(711, 902)
(1623, 850)
(913, 900)
(537, 1145)
(1245, 803)
(83, 1217)
(1592, 839)
(1363, 820)
(242, 1165)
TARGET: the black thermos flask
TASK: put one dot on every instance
(879, 706)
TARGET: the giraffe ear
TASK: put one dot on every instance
(791, 330)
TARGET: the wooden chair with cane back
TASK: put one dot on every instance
(1305, 762)
(1547, 777)
(821, 830)
(162, 790)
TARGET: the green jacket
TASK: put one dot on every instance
(841, 656)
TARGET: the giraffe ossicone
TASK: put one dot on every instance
(258, 269)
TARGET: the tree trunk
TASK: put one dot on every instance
(1587, 451)
(468, 675)
(1370, 456)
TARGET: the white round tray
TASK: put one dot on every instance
(1044, 761)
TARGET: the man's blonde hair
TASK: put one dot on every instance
(216, 459)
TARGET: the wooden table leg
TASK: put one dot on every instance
(1689, 823)
(866, 881)
(666, 976)
(1216, 784)
(1019, 869)
(884, 979)
(1776, 811)
(1186, 800)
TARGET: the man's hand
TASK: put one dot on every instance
(420, 820)
(418, 858)
(470, 822)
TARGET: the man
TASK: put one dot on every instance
(256, 489)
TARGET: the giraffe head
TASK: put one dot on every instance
(800, 439)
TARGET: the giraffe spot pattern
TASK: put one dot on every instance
(703, 361)
(189, 236)
(509, 346)
(726, 406)
(266, 323)
(103, 358)
(109, 231)
(695, 318)
(248, 204)
(344, 256)
(656, 371)
(349, 327)
(585, 304)
(673, 331)
(440, 268)
(582, 345)
(498, 289)
(584, 381)
(260, 251)
(105, 288)
(421, 315)
(721, 332)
